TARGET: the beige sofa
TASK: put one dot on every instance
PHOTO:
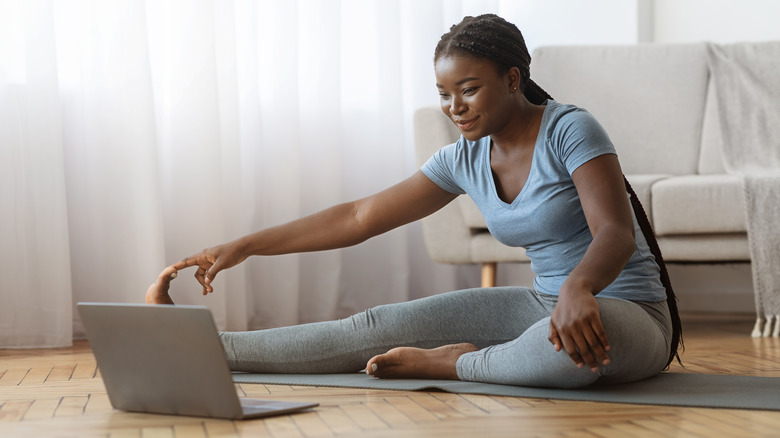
(658, 105)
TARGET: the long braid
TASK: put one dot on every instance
(671, 298)
(491, 37)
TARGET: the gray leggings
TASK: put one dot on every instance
(509, 325)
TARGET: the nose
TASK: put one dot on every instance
(457, 106)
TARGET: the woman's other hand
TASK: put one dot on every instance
(575, 327)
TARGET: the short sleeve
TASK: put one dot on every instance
(440, 169)
(578, 138)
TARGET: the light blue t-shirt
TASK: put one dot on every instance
(546, 218)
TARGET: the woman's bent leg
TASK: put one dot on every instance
(481, 317)
(639, 349)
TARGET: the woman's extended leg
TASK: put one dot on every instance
(480, 317)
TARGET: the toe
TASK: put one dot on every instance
(373, 365)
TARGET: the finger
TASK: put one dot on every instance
(186, 263)
(598, 329)
(165, 277)
(200, 276)
(585, 345)
(553, 337)
(206, 280)
(570, 347)
(599, 343)
(211, 273)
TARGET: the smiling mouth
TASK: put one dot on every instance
(465, 125)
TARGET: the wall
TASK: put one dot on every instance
(721, 21)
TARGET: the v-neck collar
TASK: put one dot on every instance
(531, 171)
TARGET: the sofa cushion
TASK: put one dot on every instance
(705, 248)
(649, 98)
(698, 204)
(642, 185)
(711, 153)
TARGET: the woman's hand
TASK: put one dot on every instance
(212, 260)
(575, 327)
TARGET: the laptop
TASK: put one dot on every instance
(168, 360)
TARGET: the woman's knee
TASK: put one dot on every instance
(639, 347)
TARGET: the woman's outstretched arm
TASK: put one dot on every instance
(336, 227)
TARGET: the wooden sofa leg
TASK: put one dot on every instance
(489, 274)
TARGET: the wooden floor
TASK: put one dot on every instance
(59, 393)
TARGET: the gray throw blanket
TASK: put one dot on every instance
(747, 83)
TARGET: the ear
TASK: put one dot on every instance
(514, 79)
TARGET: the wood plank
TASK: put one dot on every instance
(220, 429)
(511, 402)
(337, 420)
(84, 370)
(311, 425)
(98, 403)
(436, 407)
(282, 427)
(487, 404)
(36, 376)
(14, 376)
(60, 373)
(71, 406)
(252, 429)
(388, 413)
(42, 409)
(11, 412)
(364, 417)
(125, 433)
(747, 427)
(610, 432)
(628, 429)
(157, 432)
(254, 390)
(195, 430)
(411, 409)
(275, 389)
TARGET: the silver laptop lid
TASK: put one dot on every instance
(161, 359)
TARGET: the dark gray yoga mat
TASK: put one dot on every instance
(669, 389)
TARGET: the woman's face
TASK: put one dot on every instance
(474, 95)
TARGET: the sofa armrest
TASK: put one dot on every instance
(446, 235)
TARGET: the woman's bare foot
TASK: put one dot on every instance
(158, 291)
(419, 363)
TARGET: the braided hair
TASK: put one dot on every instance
(491, 37)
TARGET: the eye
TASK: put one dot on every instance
(469, 91)
(444, 96)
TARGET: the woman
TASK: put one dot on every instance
(546, 177)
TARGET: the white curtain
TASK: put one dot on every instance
(134, 134)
